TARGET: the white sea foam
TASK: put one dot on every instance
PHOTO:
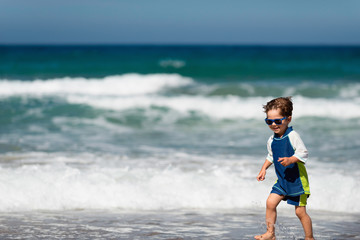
(351, 91)
(55, 182)
(128, 84)
(172, 63)
(51, 183)
(226, 107)
(216, 107)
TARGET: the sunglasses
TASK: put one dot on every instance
(277, 121)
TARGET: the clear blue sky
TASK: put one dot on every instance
(184, 22)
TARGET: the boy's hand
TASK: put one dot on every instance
(261, 175)
(286, 161)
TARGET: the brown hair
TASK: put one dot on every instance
(283, 103)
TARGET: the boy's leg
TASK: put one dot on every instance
(271, 203)
(305, 221)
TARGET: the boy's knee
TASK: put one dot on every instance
(300, 212)
(270, 204)
(273, 200)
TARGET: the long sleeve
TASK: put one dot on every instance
(269, 157)
(299, 147)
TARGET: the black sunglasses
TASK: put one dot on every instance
(277, 121)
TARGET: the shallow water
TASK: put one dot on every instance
(176, 224)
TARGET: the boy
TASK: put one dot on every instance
(289, 154)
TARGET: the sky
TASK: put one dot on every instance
(314, 22)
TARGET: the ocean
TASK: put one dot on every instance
(165, 142)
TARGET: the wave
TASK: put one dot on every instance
(182, 181)
(185, 96)
(140, 84)
(120, 85)
(230, 107)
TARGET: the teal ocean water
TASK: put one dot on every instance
(206, 63)
(171, 127)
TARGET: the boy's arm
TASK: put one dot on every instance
(262, 173)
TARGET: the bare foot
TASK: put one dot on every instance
(266, 236)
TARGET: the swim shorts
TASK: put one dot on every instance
(300, 200)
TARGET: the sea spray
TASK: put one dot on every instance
(40, 181)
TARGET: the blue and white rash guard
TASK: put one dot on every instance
(293, 179)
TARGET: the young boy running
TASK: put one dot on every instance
(288, 153)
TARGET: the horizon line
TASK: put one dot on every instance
(190, 44)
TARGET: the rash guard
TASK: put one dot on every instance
(292, 179)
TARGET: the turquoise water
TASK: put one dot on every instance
(208, 63)
(171, 127)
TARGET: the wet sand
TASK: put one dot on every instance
(177, 224)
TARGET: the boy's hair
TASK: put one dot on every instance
(283, 103)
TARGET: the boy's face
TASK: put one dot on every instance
(278, 129)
